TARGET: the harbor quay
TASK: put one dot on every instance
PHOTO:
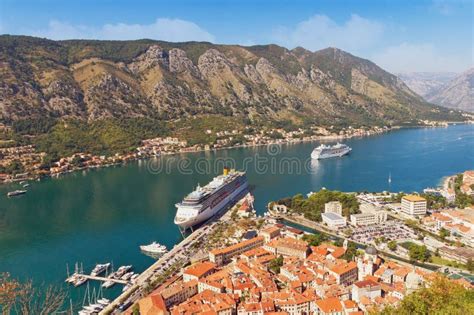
(180, 255)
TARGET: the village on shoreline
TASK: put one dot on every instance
(23, 163)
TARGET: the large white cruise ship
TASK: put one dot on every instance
(327, 151)
(204, 202)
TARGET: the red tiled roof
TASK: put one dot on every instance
(329, 305)
(200, 269)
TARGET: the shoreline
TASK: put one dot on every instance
(273, 142)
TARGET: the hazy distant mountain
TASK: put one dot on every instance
(425, 83)
(92, 80)
(457, 93)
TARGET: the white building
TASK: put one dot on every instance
(333, 220)
(333, 207)
(370, 214)
(414, 205)
(362, 219)
(366, 288)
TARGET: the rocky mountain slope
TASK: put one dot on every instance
(457, 94)
(425, 83)
(91, 80)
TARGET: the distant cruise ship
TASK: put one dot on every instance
(327, 151)
(205, 202)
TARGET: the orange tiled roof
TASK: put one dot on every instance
(237, 246)
(200, 269)
(152, 304)
(366, 283)
(344, 268)
(329, 305)
(349, 304)
(271, 230)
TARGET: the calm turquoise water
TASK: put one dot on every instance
(104, 215)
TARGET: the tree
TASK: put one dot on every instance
(470, 265)
(9, 290)
(29, 299)
(420, 253)
(275, 264)
(443, 233)
(351, 251)
(392, 245)
(136, 309)
(397, 198)
(315, 239)
(14, 167)
(338, 242)
(413, 224)
(313, 206)
(440, 296)
(435, 201)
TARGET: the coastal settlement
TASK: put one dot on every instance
(359, 260)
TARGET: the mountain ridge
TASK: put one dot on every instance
(456, 94)
(424, 83)
(93, 79)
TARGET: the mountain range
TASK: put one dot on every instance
(91, 80)
(425, 83)
(447, 89)
(457, 93)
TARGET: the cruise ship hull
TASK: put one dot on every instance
(211, 211)
(320, 156)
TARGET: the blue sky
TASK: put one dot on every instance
(400, 36)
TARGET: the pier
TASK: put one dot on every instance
(97, 278)
(179, 254)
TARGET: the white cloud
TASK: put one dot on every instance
(175, 30)
(408, 57)
(319, 31)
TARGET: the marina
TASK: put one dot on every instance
(74, 277)
(123, 275)
(78, 216)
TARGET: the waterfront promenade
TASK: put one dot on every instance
(177, 257)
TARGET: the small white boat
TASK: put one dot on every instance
(71, 279)
(80, 281)
(126, 276)
(108, 284)
(103, 301)
(121, 271)
(154, 248)
(126, 287)
(134, 277)
(99, 269)
(93, 308)
(16, 193)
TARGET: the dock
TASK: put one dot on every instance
(97, 278)
(180, 253)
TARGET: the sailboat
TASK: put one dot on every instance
(390, 177)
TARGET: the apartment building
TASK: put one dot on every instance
(224, 255)
(414, 205)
